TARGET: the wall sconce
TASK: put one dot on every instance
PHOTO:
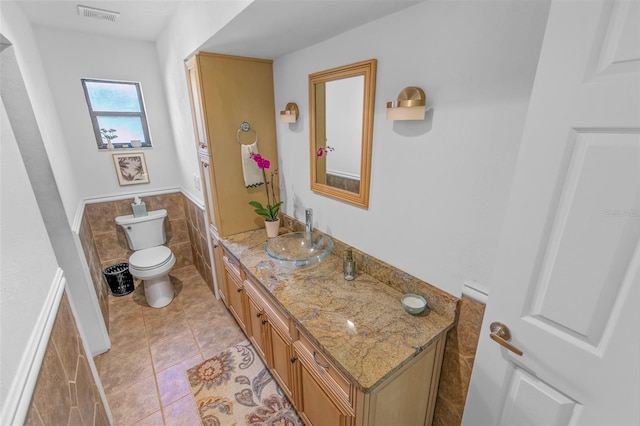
(290, 113)
(410, 105)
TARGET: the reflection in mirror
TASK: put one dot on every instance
(341, 111)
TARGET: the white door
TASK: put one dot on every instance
(567, 278)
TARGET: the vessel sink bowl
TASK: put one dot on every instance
(299, 250)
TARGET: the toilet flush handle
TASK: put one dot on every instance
(129, 227)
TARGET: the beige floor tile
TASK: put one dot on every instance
(153, 420)
(168, 352)
(182, 412)
(205, 307)
(173, 383)
(186, 273)
(129, 337)
(197, 295)
(155, 314)
(120, 369)
(134, 402)
(224, 341)
(211, 335)
(123, 308)
(166, 328)
(167, 341)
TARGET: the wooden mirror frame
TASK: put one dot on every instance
(368, 70)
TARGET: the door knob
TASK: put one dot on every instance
(501, 334)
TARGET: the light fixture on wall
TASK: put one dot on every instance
(410, 105)
(290, 113)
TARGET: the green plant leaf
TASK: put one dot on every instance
(256, 204)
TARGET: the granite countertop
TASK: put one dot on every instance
(359, 324)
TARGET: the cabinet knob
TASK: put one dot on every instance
(264, 321)
(240, 289)
(259, 314)
(294, 359)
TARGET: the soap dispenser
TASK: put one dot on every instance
(349, 266)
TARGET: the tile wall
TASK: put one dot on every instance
(459, 355)
(104, 243)
(198, 236)
(65, 392)
(462, 340)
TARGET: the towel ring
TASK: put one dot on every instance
(245, 127)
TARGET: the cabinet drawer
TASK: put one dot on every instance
(325, 370)
(278, 320)
(232, 267)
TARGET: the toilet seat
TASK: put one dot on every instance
(150, 258)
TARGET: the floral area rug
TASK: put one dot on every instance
(235, 388)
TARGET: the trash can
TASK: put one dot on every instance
(119, 279)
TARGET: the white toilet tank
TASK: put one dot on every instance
(146, 231)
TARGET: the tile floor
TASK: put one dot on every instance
(143, 374)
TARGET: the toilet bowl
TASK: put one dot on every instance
(152, 266)
(151, 261)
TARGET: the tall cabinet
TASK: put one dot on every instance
(227, 91)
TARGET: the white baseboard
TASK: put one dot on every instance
(476, 291)
(77, 220)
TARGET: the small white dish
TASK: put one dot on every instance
(413, 303)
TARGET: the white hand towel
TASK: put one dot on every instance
(252, 174)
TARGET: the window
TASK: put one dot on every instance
(117, 113)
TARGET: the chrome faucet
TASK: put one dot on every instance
(308, 214)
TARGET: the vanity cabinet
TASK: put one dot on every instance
(235, 296)
(270, 336)
(309, 359)
(258, 321)
(324, 395)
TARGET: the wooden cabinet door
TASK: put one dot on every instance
(281, 356)
(315, 406)
(258, 322)
(218, 267)
(193, 81)
(222, 80)
(235, 299)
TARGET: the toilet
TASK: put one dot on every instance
(151, 260)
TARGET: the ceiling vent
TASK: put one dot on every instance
(92, 12)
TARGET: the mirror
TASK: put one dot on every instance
(341, 128)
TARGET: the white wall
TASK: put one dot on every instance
(17, 29)
(23, 287)
(192, 25)
(344, 99)
(36, 127)
(70, 56)
(439, 187)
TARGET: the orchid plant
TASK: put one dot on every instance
(324, 150)
(270, 211)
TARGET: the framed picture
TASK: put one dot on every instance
(131, 168)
